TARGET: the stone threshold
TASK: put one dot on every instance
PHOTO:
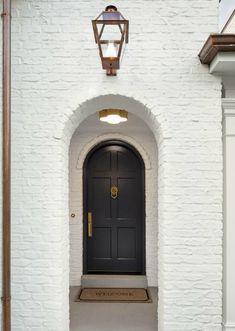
(114, 281)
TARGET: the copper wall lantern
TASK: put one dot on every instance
(111, 34)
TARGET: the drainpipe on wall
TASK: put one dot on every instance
(6, 167)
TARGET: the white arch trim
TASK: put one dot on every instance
(82, 155)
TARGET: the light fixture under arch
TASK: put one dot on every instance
(113, 116)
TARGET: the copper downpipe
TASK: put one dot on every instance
(6, 166)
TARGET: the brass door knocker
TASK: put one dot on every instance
(114, 192)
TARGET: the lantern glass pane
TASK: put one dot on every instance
(111, 32)
(110, 50)
(111, 16)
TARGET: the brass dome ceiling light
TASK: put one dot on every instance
(113, 116)
(111, 34)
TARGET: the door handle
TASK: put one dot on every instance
(89, 224)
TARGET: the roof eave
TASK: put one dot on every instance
(215, 43)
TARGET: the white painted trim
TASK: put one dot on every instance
(82, 155)
(228, 105)
(224, 62)
(227, 327)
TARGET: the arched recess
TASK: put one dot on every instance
(80, 146)
(152, 118)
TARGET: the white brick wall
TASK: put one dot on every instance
(57, 81)
(90, 133)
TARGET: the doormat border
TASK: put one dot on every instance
(149, 300)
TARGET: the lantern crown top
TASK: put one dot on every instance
(111, 8)
(110, 13)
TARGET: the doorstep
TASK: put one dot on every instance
(114, 281)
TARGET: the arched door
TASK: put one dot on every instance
(114, 213)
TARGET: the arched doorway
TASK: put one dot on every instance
(114, 210)
(139, 132)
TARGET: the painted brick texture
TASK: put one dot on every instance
(57, 83)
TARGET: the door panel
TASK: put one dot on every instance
(101, 234)
(102, 162)
(126, 162)
(117, 244)
(128, 196)
(126, 243)
(100, 197)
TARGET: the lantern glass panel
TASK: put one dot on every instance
(111, 32)
(111, 15)
(110, 49)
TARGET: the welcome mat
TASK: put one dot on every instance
(114, 295)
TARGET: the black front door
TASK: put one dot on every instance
(114, 229)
